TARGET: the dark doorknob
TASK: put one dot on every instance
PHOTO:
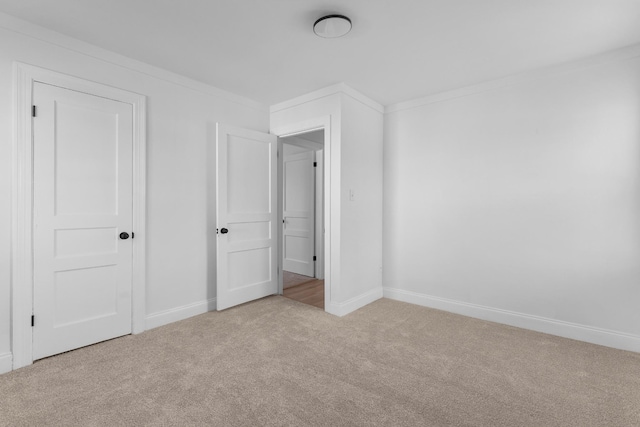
(224, 231)
(124, 235)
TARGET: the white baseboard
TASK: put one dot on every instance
(6, 362)
(179, 313)
(605, 337)
(351, 305)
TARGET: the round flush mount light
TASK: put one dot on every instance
(332, 26)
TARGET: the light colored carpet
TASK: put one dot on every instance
(290, 279)
(279, 362)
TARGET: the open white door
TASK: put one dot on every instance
(246, 215)
(298, 213)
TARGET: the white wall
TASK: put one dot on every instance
(181, 129)
(520, 204)
(362, 134)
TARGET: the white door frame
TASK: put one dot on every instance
(319, 214)
(292, 130)
(22, 200)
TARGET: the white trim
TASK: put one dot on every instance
(612, 56)
(21, 212)
(358, 96)
(560, 328)
(319, 214)
(180, 313)
(42, 34)
(302, 132)
(351, 305)
(6, 362)
(331, 201)
(280, 214)
(328, 91)
(22, 200)
(139, 275)
(312, 96)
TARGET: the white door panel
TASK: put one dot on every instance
(298, 213)
(246, 215)
(82, 202)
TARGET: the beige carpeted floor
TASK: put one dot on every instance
(279, 362)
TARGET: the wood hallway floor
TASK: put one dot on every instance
(311, 292)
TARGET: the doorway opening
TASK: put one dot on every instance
(302, 204)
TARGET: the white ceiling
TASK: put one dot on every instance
(316, 136)
(398, 49)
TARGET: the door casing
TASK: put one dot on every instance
(22, 200)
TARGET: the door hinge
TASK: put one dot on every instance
(33, 111)
(33, 320)
(314, 258)
(133, 234)
(315, 164)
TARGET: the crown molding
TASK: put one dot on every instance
(45, 35)
(623, 54)
(340, 88)
(359, 96)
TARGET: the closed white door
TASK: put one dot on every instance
(82, 204)
(246, 216)
(298, 213)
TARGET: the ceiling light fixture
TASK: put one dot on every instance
(332, 26)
